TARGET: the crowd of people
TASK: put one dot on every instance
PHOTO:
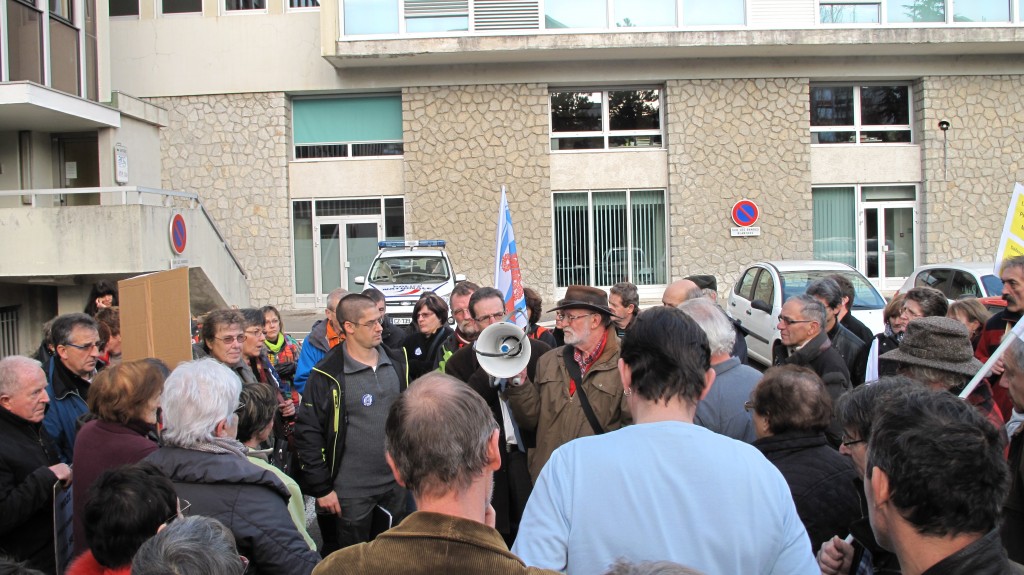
(632, 442)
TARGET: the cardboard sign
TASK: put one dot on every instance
(156, 317)
(63, 533)
(1011, 242)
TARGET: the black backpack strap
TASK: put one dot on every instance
(574, 372)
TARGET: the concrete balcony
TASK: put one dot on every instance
(127, 233)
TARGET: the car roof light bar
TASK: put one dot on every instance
(410, 244)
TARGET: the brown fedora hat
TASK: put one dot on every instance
(939, 343)
(584, 297)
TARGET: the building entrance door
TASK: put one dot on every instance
(889, 242)
(344, 248)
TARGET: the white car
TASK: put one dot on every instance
(957, 280)
(756, 299)
(405, 270)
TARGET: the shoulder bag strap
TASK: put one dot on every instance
(574, 372)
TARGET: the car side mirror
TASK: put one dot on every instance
(360, 280)
(761, 305)
(460, 278)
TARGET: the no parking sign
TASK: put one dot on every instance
(179, 234)
(745, 214)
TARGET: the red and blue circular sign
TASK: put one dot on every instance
(179, 234)
(745, 213)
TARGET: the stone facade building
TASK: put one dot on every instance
(623, 145)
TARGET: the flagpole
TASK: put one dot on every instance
(1017, 333)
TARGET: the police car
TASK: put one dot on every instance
(405, 270)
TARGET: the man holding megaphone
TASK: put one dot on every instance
(577, 390)
(501, 352)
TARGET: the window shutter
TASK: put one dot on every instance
(506, 15)
(435, 8)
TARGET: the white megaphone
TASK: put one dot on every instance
(502, 349)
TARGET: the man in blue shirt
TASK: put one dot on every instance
(663, 489)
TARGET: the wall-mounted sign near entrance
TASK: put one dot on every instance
(745, 214)
(179, 235)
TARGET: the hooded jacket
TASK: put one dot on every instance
(250, 501)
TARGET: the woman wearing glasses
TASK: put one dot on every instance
(223, 337)
(430, 316)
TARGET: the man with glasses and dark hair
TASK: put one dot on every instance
(392, 336)
(465, 328)
(577, 390)
(512, 483)
(856, 413)
(77, 346)
(804, 342)
(339, 432)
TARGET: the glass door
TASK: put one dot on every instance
(889, 243)
(344, 248)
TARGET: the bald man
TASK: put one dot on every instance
(681, 290)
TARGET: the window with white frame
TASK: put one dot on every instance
(347, 127)
(913, 11)
(624, 118)
(864, 114)
(181, 6)
(850, 12)
(606, 237)
(243, 5)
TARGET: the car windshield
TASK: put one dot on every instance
(795, 283)
(993, 285)
(409, 269)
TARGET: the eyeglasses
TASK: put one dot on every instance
(570, 318)
(490, 317)
(460, 311)
(847, 442)
(241, 406)
(369, 324)
(749, 406)
(787, 321)
(254, 332)
(229, 339)
(910, 313)
(271, 321)
(183, 505)
(98, 345)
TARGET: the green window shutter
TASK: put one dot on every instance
(337, 120)
(835, 225)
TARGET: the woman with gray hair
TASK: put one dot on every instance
(209, 468)
(190, 546)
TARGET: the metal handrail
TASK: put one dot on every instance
(124, 191)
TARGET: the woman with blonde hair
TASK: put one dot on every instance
(973, 314)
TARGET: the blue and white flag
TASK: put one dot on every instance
(507, 277)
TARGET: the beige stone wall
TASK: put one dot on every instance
(733, 139)
(966, 194)
(233, 150)
(462, 143)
